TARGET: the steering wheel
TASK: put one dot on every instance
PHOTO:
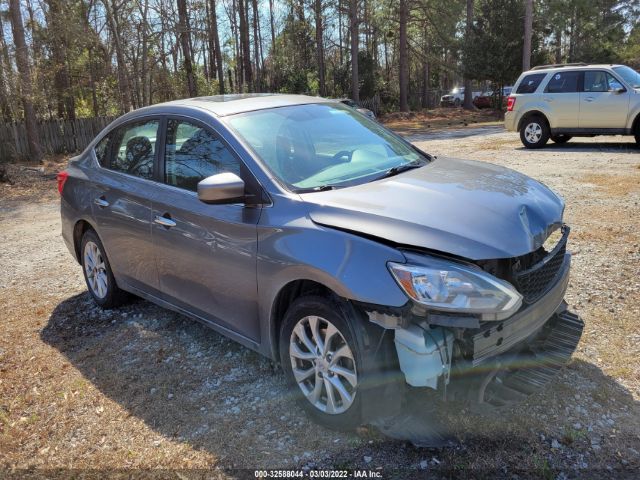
(343, 153)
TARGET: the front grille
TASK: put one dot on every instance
(535, 281)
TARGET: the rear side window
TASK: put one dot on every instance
(599, 81)
(193, 153)
(563, 82)
(101, 149)
(530, 83)
(134, 148)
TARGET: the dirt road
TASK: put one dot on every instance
(143, 387)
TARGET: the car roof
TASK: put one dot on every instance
(222, 105)
(560, 68)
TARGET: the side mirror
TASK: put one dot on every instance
(221, 188)
(618, 91)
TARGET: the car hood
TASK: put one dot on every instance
(474, 210)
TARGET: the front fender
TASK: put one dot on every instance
(353, 267)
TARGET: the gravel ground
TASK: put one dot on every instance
(141, 387)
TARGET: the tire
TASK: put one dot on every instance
(637, 135)
(534, 132)
(98, 274)
(457, 102)
(560, 139)
(356, 363)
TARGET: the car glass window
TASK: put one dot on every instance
(193, 153)
(134, 148)
(563, 82)
(598, 81)
(613, 83)
(629, 75)
(530, 83)
(311, 146)
(101, 150)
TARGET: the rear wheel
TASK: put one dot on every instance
(638, 136)
(97, 273)
(560, 139)
(534, 132)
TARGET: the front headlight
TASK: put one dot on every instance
(447, 286)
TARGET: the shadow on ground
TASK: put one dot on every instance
(577, 146)
(192, 385)
(425, 134)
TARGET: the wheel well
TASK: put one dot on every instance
(635, 127)
(532, 113)
(80, 227)
(285, 298)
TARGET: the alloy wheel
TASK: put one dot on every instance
(95, 269)
(533, 132)
(323, 365)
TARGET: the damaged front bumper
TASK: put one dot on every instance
(496, 362)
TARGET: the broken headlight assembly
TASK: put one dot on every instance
(451, 287)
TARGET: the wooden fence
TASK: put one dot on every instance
(56, 136)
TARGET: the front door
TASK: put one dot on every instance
(604, 102)
(206, 254)
(561, 95)
(121, 204)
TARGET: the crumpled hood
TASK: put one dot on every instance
(474, 210)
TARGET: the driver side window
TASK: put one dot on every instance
(193, 153)
(599, 81)
(134, 149)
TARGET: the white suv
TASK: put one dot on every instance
(571, 100)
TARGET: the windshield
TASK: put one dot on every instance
(308, 147)
(629, 75)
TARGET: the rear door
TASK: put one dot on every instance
(206, 254)
(562, 96)
(121, 200)
(602, 104)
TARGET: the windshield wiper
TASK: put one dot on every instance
(319, 188)
(402, 168)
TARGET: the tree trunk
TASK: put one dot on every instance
(558, 45)
(244, 42)
(273, 28)
(24, 71)
(59, 48)
(404, 57)
(123, 78)
(468, 94)
(146, 83)
(186, 48)
(528, 32)
(355, 37)
(256, 45)
(216, 46)
(320, 47)
(7, 83)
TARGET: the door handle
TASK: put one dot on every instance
(164, 221)
(548, 99)
(588, 99)
(101, 202)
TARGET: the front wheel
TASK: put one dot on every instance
(560, 139)
(323, 361)
(534, 133)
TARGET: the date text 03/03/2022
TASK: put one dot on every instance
(318, 474)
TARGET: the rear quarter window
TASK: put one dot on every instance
(101, 150)
(563, 82)
(530, 83)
